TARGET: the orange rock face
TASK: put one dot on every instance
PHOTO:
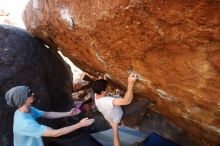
(173, 46)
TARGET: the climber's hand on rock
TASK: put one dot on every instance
(132, 78)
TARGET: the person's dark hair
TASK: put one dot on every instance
(99, 86)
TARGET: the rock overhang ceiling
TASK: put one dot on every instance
(173, 46)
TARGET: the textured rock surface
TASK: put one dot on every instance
(173, 45)
(24, 60)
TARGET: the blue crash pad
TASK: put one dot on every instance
(128, 136)
(156, 140)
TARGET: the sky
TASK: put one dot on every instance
(15, 8)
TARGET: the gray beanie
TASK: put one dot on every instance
(17, 96)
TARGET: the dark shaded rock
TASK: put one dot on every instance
(139, 116)
(79, 139)
(155, 122)
(24, 60)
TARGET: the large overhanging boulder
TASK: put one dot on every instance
(173, 46)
